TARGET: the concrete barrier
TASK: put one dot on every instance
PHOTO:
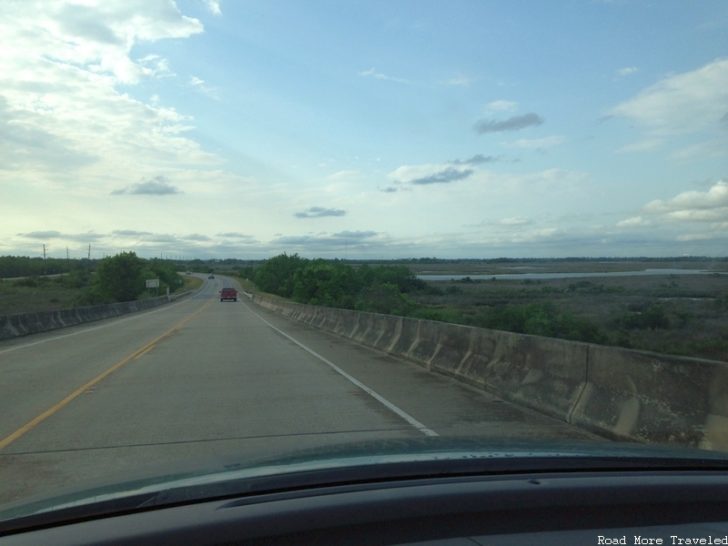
(621, 393)
(32, 323)
(653, 397)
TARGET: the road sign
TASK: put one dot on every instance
(152, 283)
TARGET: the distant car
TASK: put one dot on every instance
(211, 276)
(228, 294)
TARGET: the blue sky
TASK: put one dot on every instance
(365, 129)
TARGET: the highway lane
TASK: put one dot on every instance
(201, 383)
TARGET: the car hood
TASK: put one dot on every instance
(365, 462)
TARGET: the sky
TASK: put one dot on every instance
(364, 129)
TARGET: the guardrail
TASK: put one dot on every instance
(618, 392)
(32, 323)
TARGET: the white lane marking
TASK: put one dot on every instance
(403, 414)
(86, 330)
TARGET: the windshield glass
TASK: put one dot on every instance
(238, 231)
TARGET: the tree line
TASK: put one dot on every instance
(24, 266)
(379, 289)
(123, 277)
(390, 290)
(113, 279)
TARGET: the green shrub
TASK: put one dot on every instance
(652, 317)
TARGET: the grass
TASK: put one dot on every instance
(685, 314)
(191, 283)
(495, 267)
(39, 294)
(47, 295)
(247, 285)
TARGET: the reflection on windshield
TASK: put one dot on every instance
(236, 231)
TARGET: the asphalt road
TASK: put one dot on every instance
(200, 383)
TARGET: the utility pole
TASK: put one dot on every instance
(44, 252)
(89, 251)
(68, 256)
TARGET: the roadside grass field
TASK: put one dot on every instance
(495, 267)
(36, 294)
(40, 294)
(191, 283)
(247, 285)
(679, 314)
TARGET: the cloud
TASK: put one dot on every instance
(716, 147)
(372, 73)
(696, 237)
(155, 186)
(389, 189)
(422, 175)
(355, 235)
(443, 177)
(192, 241)
(200, 85)
(514, 123)
(692, 209)
(502, 106)
(52, 234)
(319, 212)
(41, 234)
(196, 237)
(213, 6)
(155, 66)
(514, 221)
(81, 20)
(100, 37)
(644, 145)
(694, 203)
(344, 175)
(627, 71)
(129, 233)
(681, 103)
(26, 145)
(477, 159)
(538, 143)
(67, 117)
(337, 241)
(459, 81)
(235, 235)
(633, 222)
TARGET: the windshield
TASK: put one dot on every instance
(238, 231)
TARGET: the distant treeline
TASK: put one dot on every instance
(236, 263)
(379, 289)
(390, 290)
(123, 278)
(115, 278)
(23, 266)
(664, 259)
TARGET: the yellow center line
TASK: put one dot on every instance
(30, 425)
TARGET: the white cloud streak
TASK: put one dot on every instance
(213, 6)
(200, 85)
(627, 71)
(502, 106)
(692, 210)
(538, 143)
(374, 74)
(681, 103)
(65, 112)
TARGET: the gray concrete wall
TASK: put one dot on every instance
(618, 392)
(32, 323)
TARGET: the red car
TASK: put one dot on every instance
(228, 294)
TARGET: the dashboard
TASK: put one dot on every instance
(580, 508)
